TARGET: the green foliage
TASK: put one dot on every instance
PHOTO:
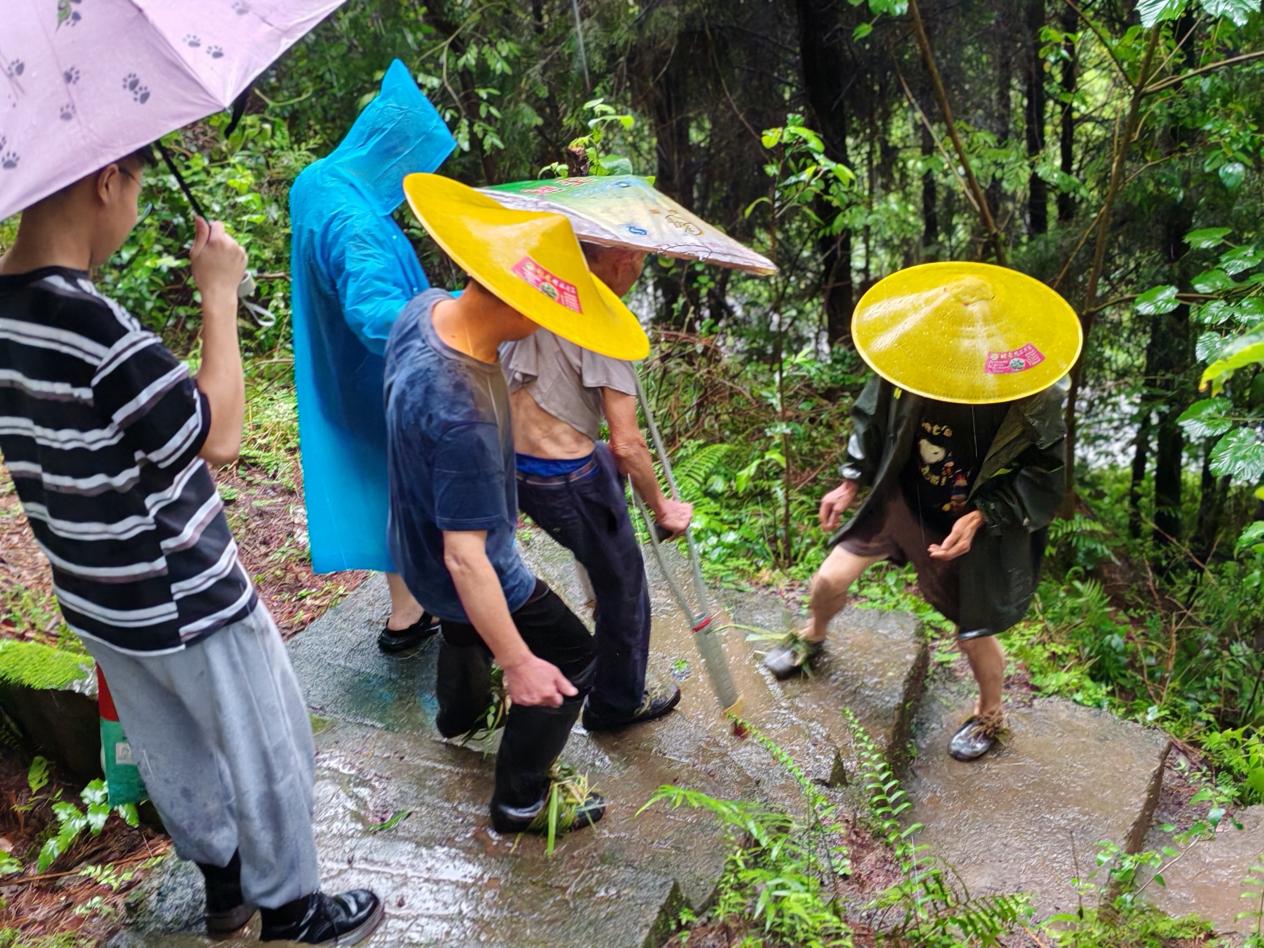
(929, 901)
(35, 665)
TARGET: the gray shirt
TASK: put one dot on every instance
(565, 380)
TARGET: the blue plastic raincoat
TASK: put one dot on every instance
(353, 270)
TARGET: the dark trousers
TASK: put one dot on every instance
(589, 516)
(533, 736)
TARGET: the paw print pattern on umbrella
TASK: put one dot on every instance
(139, 91)
(67, 13)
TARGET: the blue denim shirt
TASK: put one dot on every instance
(450, 459)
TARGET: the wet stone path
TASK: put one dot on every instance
(404, 812)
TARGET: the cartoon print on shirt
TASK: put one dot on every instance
(939, 468)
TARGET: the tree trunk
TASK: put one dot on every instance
(1034, 76)
(930, 210)
(1066, 118)
(824, 59)
(1140, 460)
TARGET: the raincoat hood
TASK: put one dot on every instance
(399, 132)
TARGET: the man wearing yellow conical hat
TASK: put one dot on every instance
(961, 440)
(453, 493)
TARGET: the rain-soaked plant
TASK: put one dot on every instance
(781, 874)
(933, 905)
(568, 791)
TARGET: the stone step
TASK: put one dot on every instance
(1208, 878)
(1028, 817)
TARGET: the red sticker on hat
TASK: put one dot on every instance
(1015, 360)
(551, 285)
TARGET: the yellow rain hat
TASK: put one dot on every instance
(530, 260)
(971, 333)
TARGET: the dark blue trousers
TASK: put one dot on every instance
(587, 512)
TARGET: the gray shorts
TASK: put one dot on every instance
(893, 532)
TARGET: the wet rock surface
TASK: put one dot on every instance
(403, 812)
(1028, 816)
(1208, 879)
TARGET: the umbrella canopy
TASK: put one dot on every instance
(627, 211)
(84, 82)
(971, 333)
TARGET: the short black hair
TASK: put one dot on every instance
(143, 156)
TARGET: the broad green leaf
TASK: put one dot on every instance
(1156, 11)
(1214, 313)
(37, 775)
(49, 853)
(1209, 346)
(1236, 10)
(1252, 537)
(1240, 259)
(1239, 455)
(1207, 418)
(95, 792)
(1232, 174)
(1213, 281)
(861, 31)
(1206, 237)
(1156, 301)
(9, 864)
(1244, 351)
(98, 813)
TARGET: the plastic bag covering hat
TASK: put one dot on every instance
(971, 333)
(531, 261)
(353, 271)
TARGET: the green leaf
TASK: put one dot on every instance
(1156, 11)
(1236, 10)
(861, 31)
(9, 864)
(1252, 537)
(1232, 174)
(49, 853)
(1239, 455)
(1213, 281)
(1209, 346)
(98, 813)
(395, 819)
(1243, 351)
(1156, 301)
(37, 775)
(1207, 418)
(1241, 259)
(1206, 237)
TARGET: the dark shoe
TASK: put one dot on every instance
(535, 819)
(976, 736)
(792, 656)
(393, 642)
(656, 702)
(226, 909)
(344, 919)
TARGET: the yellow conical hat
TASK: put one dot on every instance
(530, 260)
(966, 332)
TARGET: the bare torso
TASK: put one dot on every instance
(539, 434)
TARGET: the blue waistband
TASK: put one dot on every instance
(549, 467)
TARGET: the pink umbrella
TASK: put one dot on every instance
(84, 82)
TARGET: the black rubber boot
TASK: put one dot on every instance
(318, 919)
(534, 737)
(463, 687)
(226, 908)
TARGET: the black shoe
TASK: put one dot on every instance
(793, 655)
(344, 919)
(656, 702)
(976, 737)
(393, 642)
(226, 910)
(535, 819)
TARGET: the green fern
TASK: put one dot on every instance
(1253, 892)
(39, 666)
(697, 465)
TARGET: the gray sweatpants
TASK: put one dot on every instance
(222, 738)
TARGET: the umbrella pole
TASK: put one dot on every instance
(184, 185)
(700, 622)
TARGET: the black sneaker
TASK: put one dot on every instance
(535, 819)
(656, 702)
(397, 642)
(794, 654)
(978, 735)
(344, 919)
(227, 912)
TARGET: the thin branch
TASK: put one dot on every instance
(941, 94)
(930, 130)
(1103, 39)
(1203, 70)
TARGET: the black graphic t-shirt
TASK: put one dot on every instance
(952, 441)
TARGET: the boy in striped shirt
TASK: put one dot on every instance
(106, 436)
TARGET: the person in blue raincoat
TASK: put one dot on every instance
(353, 270)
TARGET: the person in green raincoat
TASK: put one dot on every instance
(353, 271)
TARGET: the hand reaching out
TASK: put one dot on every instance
(835, 504)
(959, 539)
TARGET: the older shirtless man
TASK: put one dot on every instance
(572, 485)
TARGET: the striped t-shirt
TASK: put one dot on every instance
(100, 429)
